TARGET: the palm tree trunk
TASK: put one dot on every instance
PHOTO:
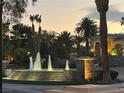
(78, 49)
(39, 27)
(87, 45)
(35, 40)
(67, 52)
(104, 46)
(33, 28)
(78, 46)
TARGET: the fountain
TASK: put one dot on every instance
(49, 64)
(37, 63)
(37, 73)
(67, 65)
(31, 64)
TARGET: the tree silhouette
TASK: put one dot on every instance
(32, 19)
(122, 21)
(102, 7)
(88, 28)
(78, 38)
(11, 11)
(38, 20)
(65, 42)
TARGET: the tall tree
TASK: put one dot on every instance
(102, 7)
(32, 19)
(11, 11)
(38, 40)
(36, 35)
(21, 32)
(23, 37)
(88, 28)
(38, 20)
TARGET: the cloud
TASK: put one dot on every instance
(113, 13)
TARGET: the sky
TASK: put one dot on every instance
(60, 15)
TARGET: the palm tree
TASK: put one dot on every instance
(38, 40)
(38, 20)
(77, 40)
(122, 21)
(32, 18)
(65, 39)
(102, 7)
(88, 28)
(47, 42)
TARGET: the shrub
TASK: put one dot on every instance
(21, 59)
(99, 75)
(85, 53)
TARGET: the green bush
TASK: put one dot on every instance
(99, 75)
(21, 59)
(85, 53)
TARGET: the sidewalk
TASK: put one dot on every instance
(23, 88)
(90, 88)
(120, 70)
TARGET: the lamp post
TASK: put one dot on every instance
(1, 10)
(102, 7)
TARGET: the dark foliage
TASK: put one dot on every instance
(99, 75)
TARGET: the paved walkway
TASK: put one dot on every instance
(121, 72)
(23, 88)
(120, 76)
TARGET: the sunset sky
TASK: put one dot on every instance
(59, 15)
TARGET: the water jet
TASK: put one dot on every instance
(37, 73)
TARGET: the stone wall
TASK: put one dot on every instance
(57, 75)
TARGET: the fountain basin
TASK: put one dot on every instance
(44, 75)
